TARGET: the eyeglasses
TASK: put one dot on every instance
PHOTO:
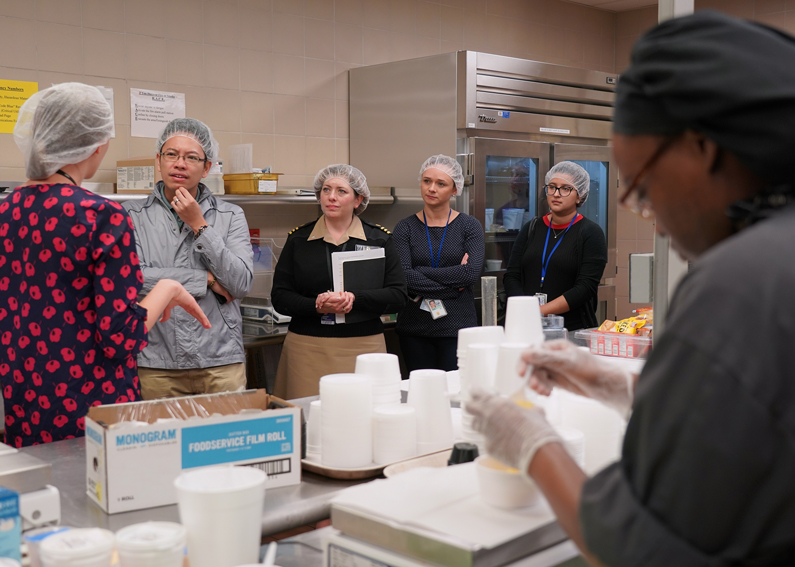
(634, 197)
(172, 157)
(564, 191)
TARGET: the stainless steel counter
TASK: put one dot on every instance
(285, 508)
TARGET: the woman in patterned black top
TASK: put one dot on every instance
(442, 252)
(70, 325)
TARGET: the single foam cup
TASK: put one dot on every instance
(523, 321)
(152, 544)
(428, 396)
(481, 365)
(221, 508)
(379, 365)
(79, 547)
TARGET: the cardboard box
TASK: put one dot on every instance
(133, 466)
(136, 175)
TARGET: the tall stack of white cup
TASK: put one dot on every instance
(491, 334)
(313, 429)
(346, 438)
(481, 365)
(152, 544)
(221, 508)
(394, 433)
(384, 370)
(428, 396)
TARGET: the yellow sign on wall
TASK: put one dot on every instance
(13, 95)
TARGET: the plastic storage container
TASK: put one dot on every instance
(251, 183)
(614, 344)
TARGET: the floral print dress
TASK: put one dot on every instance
(70, 325)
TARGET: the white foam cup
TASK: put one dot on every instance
(84, 547)
(394, 433)
(379, 365)
(221, 508)
(346, 438)
(507, 380)
(152, 544)
(523, 320)
(428, 396)
(481, 365)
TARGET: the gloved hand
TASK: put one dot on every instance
(562, 364)
(513, 434)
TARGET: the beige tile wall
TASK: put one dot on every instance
(271, 72)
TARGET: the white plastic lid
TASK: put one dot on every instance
(78, 544)
(151, 536)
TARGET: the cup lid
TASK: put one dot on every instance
(78, 543)
(151, 536)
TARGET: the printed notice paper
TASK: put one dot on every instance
(13, 94)
(151, 110)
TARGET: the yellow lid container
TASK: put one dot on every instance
(251, 183)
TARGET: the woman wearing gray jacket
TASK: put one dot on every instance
(185, 233)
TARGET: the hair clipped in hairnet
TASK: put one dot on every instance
(350, 175)
(447, 165)
(62, 125)
(193, 129)
(576, 174)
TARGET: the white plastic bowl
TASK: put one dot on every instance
(504, 487)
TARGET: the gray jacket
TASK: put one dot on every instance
(165, 251)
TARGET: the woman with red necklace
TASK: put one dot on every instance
(562, 254)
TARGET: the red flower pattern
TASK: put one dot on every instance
(65, 252)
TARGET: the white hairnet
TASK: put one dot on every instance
(193, 129)
(446, 165)
(350, 175)
(62, 125)
(578, 177)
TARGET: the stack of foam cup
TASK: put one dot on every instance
(428, 397)
(384, 370)
(346, 438)
(523, 321)
(507, 379)
(313, 429)
(394, 433)
(491, 334)
(481, 365)
(468, 432)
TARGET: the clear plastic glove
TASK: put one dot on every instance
(513, 434)
(563, 365)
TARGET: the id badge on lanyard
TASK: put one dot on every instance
(545, 265)
(435, 306)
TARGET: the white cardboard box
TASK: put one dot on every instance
(134, 466)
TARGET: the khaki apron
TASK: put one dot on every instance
(305, 360)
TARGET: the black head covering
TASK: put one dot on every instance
(732, 80)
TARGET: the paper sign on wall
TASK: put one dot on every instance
(151, 110)
(13, 94)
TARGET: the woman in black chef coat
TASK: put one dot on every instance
(704, 130)
(562, 253)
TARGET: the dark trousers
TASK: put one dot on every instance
(429, 352)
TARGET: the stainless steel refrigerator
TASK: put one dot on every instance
(507, 121)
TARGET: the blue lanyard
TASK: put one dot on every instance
(545, 265)
(435, 263)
